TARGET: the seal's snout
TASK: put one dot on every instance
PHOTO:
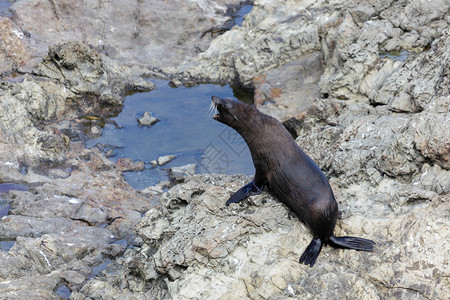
(216, 100)
(225, 107)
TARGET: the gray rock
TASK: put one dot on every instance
(277, 92)
(127, 164)
(73, 79)
(162, 160)
(179, 174)
(246, 52)
(53, 226)
(85, 72)
(239, 249)
(96, 131)
(147, 120)
(58, 173)
(133, 33)
(427, 91)
(432, 138)
(157, 189)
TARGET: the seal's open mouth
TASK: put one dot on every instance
(213, 108)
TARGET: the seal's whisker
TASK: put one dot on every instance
(211, 110)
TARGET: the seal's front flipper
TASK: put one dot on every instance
(312, 251)
(249, 189)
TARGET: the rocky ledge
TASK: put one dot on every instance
(193, 246)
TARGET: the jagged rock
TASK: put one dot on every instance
(85, 72)
(135, 33)
(72, 80)
(162, 160)
(431, 137)
(279, 89)
(245, 52)
(147, 120)
(179, 174)
(127, 164)
(251, 249)
(157, 189)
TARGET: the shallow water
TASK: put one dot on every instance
(4, 205)
(8, 186)
(4, 5)
(239, 16)
(99, 268)
(63, 291)
(186, 129)
(397, 55)
(6, 244)
(4, 208)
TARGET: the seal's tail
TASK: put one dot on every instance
(350, 242)
(309, 257)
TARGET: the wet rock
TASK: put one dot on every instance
(162, 160)
(175, 83)
(165, 159)
(96, 131)
(147, 120)
(85, 72)
(157, 189)
(179, 174)
(127, 164)
(110, 153)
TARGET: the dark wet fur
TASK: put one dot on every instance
(290, 174)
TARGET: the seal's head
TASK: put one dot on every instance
(233, 113)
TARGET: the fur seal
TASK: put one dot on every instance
(290, 174)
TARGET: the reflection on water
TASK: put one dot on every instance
(4, 5)
(5, 205)
(186, 129)
(6, 244)
(99, 268)
(241, 13)
(8, 186)
(397, 55)
(63, 291)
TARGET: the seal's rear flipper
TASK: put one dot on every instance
(350, 242)
(249, 189)
(312, 251)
